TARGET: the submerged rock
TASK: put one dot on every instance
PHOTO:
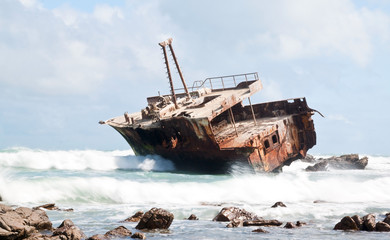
(228, 214)
(382, 227)
(346, 223)
(260, 230)
(135, 218)
(263, 222)
(192, 217)
(155, 218)
(369, 222)
(235, 223)
(278, 204)
(290, 225)
(138, 235)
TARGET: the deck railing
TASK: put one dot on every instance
(222, 82)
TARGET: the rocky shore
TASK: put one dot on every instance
(343, 162)
(34, 224)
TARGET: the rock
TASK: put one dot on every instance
(300, 224)
(120, 231)
(98, 237)
(369, 222)
(49, 206)
(155, 218)
(290, 225)
(309, 158)
(4, 234)
(350, 161)
(319, 201)
(382, 227)
(278, 204)
(36, 218)
(22, 222)
(136, 217)
(227, 214)
(5, 208)
(69, 231)
(260, 230)
(262, 223)
(320, 166)
(193, 217)
(235, 223)
(387, 219)
(346, 223)
(138, 235)
(358, 221)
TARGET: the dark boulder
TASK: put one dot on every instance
(138, 235)
(346, 223)
(155, 218)
(260, 230)
(227, 214)
(262, 222)
(135, 218)
(68, 230)
(382, 227)
(369, 222)
(278, 204)
(358, 221)
(192, 217)
(387, 219)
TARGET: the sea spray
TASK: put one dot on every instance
(118, 184)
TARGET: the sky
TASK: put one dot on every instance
(65, 65)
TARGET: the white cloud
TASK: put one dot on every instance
(299, 29)
(64, 51)
(106, 14)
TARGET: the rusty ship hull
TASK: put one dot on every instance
(207, 127)
(199, 145)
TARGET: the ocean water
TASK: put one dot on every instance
(106, 187)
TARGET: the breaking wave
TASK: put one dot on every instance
(81, 160)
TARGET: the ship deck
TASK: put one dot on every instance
(227, 137)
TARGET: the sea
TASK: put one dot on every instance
(105, 187)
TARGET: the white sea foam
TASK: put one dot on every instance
(247, 189)
(294, 185)
(81, 160)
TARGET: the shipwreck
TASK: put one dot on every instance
(206, 127)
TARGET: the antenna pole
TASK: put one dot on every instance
(169, 41)
(163, 45)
